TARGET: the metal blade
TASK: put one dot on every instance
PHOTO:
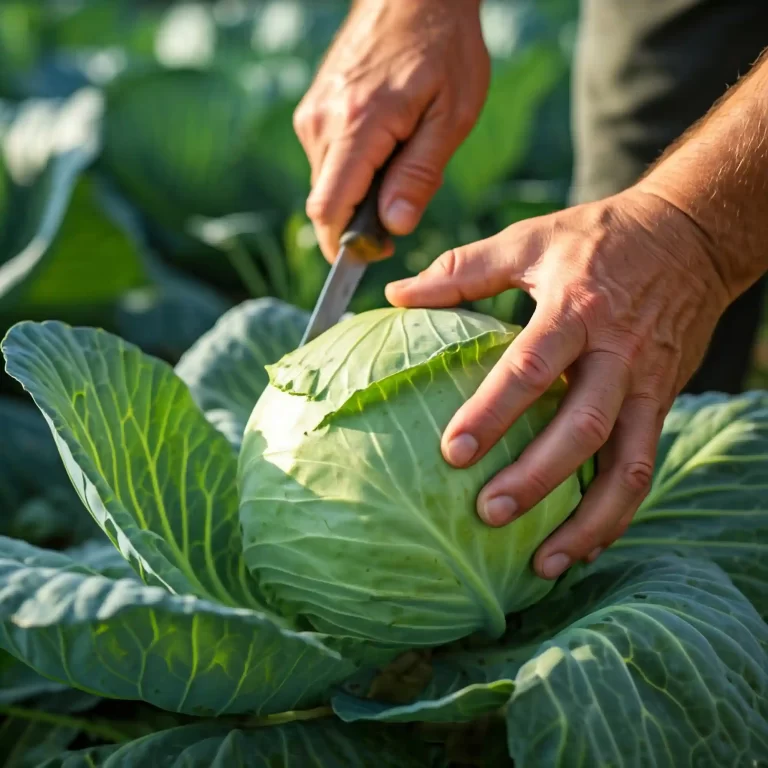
(340, 285)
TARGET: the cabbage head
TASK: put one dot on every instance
(352, 520)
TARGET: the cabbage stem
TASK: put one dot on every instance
(290, 717)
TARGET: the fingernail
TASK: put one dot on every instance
(461, 449)
(499, 510)
(594, 554)
(554, 565)
(401, 216)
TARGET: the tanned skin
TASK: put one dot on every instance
(628, 289)
(717, 172)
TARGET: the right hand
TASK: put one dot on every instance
(414, 71)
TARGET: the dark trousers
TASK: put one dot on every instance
(644, 71)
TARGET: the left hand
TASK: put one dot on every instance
(627, 297)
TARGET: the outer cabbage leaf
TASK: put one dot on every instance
(226, 369)
(710, 492)
(100, 556)
(119, 638)
(465, 705)
(644, 663)
(321, 743)
(55, 230)
(669, 668)
(352, 518)
(155, 475)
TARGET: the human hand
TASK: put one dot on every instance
(627, 297)
(398, 71)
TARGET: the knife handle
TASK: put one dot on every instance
(365, 234)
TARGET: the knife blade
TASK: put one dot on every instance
(364, 238)
(340, 285)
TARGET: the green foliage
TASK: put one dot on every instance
(152, 187)
(121, 639)
(122, 419)
(656, 653)
(331, 745)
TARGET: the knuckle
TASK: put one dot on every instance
(647, 400)
(493, 420)
(464, 119)
(621, 529)
(591, 424)
(531, 370)
(637, 476)
(587, 305)
(307, 119)
(351, 108)
(449, 263)
(536, 486)
(593, 530)
(318, 209)
(594, 304)
(420, 176)
(633, 345)
(586, 536)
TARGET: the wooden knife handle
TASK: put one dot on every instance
(365, 234)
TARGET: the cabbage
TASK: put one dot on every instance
(352, 520)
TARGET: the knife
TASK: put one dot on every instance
(362, 240)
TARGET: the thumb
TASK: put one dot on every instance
(417, 173)
(470, 272)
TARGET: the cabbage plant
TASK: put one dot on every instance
(351, 517)
(237, 642)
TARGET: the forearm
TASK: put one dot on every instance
(717, 173)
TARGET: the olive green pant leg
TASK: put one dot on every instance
(644, 71)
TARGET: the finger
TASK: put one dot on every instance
(309, 123)
(417, 173)
(345, 177)
(528, 367)
(619, 530)
(471, 272)
(617, 533)
(626, 520)
(578, 431)
(612, 496)
(604, 460)
(317, 165)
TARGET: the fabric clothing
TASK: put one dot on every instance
(644, 71)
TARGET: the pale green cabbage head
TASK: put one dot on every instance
(351, 517)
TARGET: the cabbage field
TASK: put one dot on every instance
(217, 549)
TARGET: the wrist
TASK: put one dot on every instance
(720, 235)
(407, 11)
(413, 5)
(717, 175)
(688, 241)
